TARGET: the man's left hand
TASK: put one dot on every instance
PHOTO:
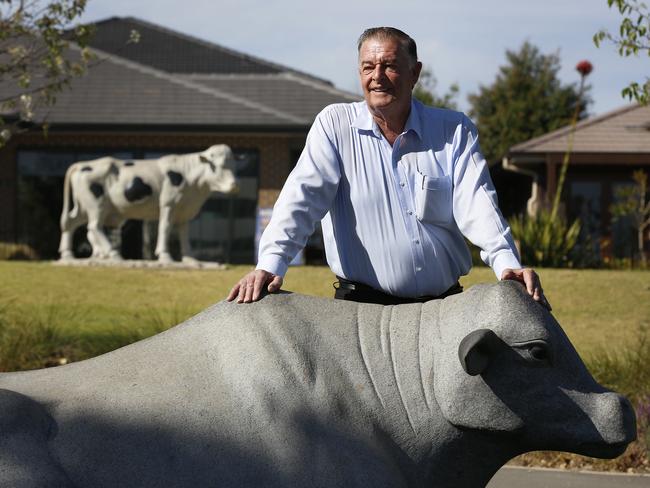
(529, 278)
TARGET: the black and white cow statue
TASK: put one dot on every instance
(297, 391)
(171, 189)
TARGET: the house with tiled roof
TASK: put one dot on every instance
(168, 93)
(606, 150)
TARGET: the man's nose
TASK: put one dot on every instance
(378, 72)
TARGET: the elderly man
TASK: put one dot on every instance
(397, 185)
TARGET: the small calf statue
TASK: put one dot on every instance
(172, 190)
(297, 391)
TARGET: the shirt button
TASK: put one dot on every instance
(410, 212)
(402, 184)
(418, 269)
(417, 241)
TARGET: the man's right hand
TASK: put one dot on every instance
(249, 288)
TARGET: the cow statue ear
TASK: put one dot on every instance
(476, 350)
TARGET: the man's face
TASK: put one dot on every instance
(387, 76)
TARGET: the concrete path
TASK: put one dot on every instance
(516, 477)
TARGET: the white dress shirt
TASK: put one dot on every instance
(393, 217)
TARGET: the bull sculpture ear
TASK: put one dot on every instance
(476, 350)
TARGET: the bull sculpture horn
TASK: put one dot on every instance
(476, 349)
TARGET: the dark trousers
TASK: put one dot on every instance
(359, 292)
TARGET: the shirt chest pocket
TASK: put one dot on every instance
(433, 199)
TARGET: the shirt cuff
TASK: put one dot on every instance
(503, 260)
(273, 264)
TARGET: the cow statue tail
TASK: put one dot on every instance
(69, 198)
(69, 215)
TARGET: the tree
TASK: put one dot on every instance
(633, 203)
(34, 37)
(633, 39)
(425, 91)
(525, 100)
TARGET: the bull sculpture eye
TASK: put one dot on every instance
(535, 353)
(538, 352)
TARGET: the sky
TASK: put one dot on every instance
(461, 41)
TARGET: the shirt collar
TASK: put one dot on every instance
(365, 122)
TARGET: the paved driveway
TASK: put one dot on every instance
(514, 477)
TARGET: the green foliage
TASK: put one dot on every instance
(34, 36)
(544, 240)
(37, 57)
(524, 101)
(633, 203)
(633, 39)
(425, 91)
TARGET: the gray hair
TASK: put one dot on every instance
(385, 33)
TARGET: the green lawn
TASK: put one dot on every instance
(597, 308)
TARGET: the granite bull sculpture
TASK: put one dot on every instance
(297, 391)
(171, 189)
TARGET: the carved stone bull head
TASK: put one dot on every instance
(510, 368)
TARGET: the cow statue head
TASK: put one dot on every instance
(219, 173)
(507, 366)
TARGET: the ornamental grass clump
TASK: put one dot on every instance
(32, 342)
(544, 241)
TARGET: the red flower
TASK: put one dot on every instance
(584, 67)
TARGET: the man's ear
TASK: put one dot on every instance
(477, 349)
(417, 69)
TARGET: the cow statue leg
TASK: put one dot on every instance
(164, 231)
(186, 248)
(68, 226)
(102, 247)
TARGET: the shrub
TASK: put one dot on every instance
(545, 241)
(14, 252)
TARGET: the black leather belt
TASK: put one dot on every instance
(360, 292)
